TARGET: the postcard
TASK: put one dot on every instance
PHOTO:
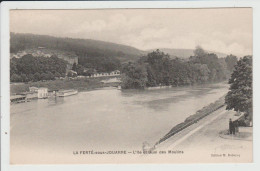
(130, 86)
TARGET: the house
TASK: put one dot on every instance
(105, 74)
(42, 93)
(72, 73)
(33, 89)
(116, 72)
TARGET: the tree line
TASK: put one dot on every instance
(29, 68)
(240, 95)
(158, 69)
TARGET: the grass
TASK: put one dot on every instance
(81, 84)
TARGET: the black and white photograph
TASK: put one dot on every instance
(90, 86)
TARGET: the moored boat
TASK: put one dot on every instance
(65, 93)
(158, 87)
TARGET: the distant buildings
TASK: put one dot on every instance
(42, 93)
(116, 72)
(105, 74)
(33, 89)
(71, 73)
(33, 93)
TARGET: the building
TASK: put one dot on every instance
(18, 54)
(33, 89)
(105, 74)
(116, 72)
(72, 73)
(42, 93)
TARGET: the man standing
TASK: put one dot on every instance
(230, 126)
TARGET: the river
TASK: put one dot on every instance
(104, 119)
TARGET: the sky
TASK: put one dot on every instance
(226, 30)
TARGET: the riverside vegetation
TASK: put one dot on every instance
(158, 69)
(240, 95)
(155, 69)
(239, 98)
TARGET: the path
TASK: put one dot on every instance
(201, 142)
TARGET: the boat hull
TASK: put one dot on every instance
(67, 93)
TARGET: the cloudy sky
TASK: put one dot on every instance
(226, 30)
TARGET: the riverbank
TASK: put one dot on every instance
(200, 114)
(81, 84)
(202, 139)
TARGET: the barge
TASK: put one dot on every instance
(64, 93)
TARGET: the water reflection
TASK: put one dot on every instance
(55, 100)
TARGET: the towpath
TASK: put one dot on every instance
(201, 141)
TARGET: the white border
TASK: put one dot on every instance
(5, 117)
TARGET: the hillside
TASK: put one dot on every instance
(81, 47)
(87, 48)
(185, 53)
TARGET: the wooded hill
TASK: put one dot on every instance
(81, 47)
(91, 48)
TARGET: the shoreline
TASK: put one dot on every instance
(192, 119)
(81, 84)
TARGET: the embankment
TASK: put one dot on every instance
(194, 118)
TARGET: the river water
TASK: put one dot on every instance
(104, 119)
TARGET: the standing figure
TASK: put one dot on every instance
(230, 126)
(233, 127)
(236, 126)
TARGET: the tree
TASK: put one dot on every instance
(74, 66)
(158, 67)
(24, 78)
(36, 76)
(33, 68)
(57, 74)
(203, 72)
(135, 76)
(240, 92)
(13, 69)
(211, 60)
(79, 69)
(30, 77)
(199, 51)
(231, 61)
(50, 76)
(44, 76)
(16, 78)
